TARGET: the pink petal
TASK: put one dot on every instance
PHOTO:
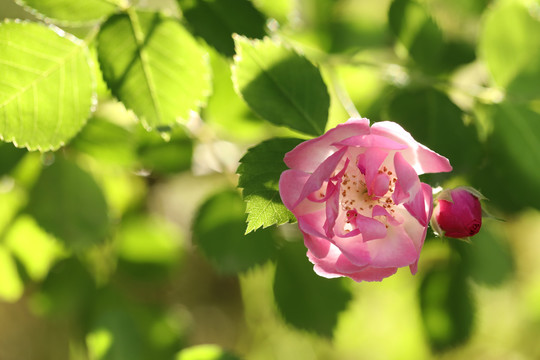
(379, 186)
(354, 249)
(396, 250)
(422, 159)
(380, 211)
(417, 208)
(332, 210)
(321, 174)
(405, 173)
(291, 182)
(318, 247)
(368, 141)
(370, 229)
(310, 154)
(373, 274)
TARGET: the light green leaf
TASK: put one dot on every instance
(205, 352)
(218, 230)
(259, 170)
(306, 300)
(11, 286)
(154, 66)
(68, 203)
(46, 88)
(69, 11)
(510, 46)
(280, 85)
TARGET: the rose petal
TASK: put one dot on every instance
(371, 141)
(396, 249)
(321, 174)
(318, 247)
(320, 148)
(422, 159)
(370, 228)
(291, 183)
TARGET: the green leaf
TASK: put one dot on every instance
(68, 203)
(10, 156)
(306, 300)
(435, 121)
(11, 286)
(154, 66)
(510, 177)
(218, 230)
(259, 170)
(510, 47)
(47, 86)
(418, 32)
(69, 11)
(280, 85)
(205, 352)
(446, 305)
(488, 258)
(217, 20)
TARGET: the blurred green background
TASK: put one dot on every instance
(126, 245)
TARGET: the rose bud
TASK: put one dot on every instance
(358, 200)
(458, 213)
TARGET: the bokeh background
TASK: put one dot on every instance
(126, 245)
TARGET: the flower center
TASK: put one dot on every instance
(356, 196)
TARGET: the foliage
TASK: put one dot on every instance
(128, 128)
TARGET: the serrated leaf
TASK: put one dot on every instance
(47, 87)
(510, 47)
(69, 11)
(154, 66)
(218, 230)
(280, 85)
(217, 20)
(306, 300)
(68, 203)
(259, 170)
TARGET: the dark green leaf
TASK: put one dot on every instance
(259, 170)
(218, 230)
(217, 20)
(154, 66)
(69, 11)
(447, 306)
(46, 90)
(68, 203)
(10, 156)
(415, 28)
(510, 46)
(306, 300)
(162, 157)
(280, 85)
(435, 121)
(510, 178)
(488, 258)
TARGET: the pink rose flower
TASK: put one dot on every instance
(358, 200)
(458, 213)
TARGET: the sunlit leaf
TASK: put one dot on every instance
(218, 231)
(447, 306)
(306, 300)
(217, 20)
(205, 352)
(11, 286)
(35, 249)
(148, 240)
(280, 85)
(46, 90)
(154, 66)
(68, 203)
(259, 170)
(510, 46)
(68, 11)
